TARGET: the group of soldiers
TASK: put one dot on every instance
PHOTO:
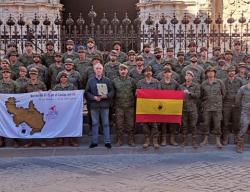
(217, 88)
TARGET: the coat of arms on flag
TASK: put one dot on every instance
(159, 106)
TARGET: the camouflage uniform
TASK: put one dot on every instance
(53, 72)
(21, 85)
(238, 58)
(26, 59)
(230, 109)
(221, 72)
(38, 86)
(91, 54)
(82, 67)
(212, 95)
(122, 57)
(131, 65)
(150, 129)
(136, 75)
(42, 71)
(124, 102)
(175, 76)
(198, 71)
(74, 78)
(178, 67)
(72, 55)
(157, 66)
(148, 58)
(68, 87)
(111, 70)
(48, 58)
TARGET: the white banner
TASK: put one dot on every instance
(47, 114)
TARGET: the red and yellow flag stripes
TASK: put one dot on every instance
(161, 106)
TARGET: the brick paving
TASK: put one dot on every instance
(203, 171)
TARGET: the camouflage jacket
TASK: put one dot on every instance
(148, 58)
(172, 85)
(212, 95)
(21, 85)
(199, 74)
(26, 59)
(48, 58)
(74, 78)
(153, 84)
(42, 71)
(67, 55)
(243, 98)
(157, 67)
(91, 54)
(53, 72)
(122, 57)
(136, 75)
(111, 70)
(68, 87)
(15, 69)
(38, 86)
(7, 87)
(175, 76)
(124, 91)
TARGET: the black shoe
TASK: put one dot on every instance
(108, 145)
(93, 145)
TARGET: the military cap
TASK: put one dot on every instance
(62, 73)
(210, 69)
(157, 50)
(203, 49)
(96, 57)
(50, 43)
(117, 43)
(246, 57)
(190, 73)
(192, 44)
(6, 61)
(237, 42)
(22, 68)
(70, 42)
(139, 58)
(168, 62)
(6, 70)
(170, 49)
(36, 55)
(12, 44)
(146, 45)
(13, 53)
(123, 66)
(227, 52)
(91, 40)
(81, 50)
(217, 48)
(194, 59)
(131, 52)
(147, 68)
(242, 65)
(231, 68)
(58, 54)
(193, 54)
(221, 57)
(113, 53)
(167, 69)
(180, 53)
(28, 43)
(34, 71)
(69, 61)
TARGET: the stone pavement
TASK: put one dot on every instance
(125, 169)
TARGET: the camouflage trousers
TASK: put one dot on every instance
(189, 121)
(214, 117)
(230, 112)
(124, 118)
(244, 121)
(168, 126)
(150, 130)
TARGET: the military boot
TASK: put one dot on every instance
(172, 140)
(225, 139)
(2, 142)
(131, 141)
(239, 145)
(163, 141)
(184, 140)
(147, 143)
(205, 141)
(194, 143)
(155, 143)
(218, 143)
(119, 141)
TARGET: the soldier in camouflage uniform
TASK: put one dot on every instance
(230, 109)
(150, 129)
(22, 81)
(175, 75)
(180, 64)
(11, 47)
(91, 51)
(158, 63)
(212, 93)
(35, 85)
(238, 54)
(197, 70)
(136, 73)
(7, 85)
(247, 62)
(168, 83)
(121, 56)
(14, 64)
(216, 54)
(170, 55)
(131, 63)
(42, 70)
(242, 73)
(65, 85)
(192, 50)
(111, 69)
(190, 110)
(124, 102)
(229, 58)
(147, 55)
(27, 58)
(48, 58)
(221, 69)
(203, 58)
(74, 76)
(5, 64)
(54, 69)
(82, 64)
(243, 99)
(70, 53)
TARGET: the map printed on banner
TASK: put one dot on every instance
(41, 114)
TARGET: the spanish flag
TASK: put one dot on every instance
(159, 106)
